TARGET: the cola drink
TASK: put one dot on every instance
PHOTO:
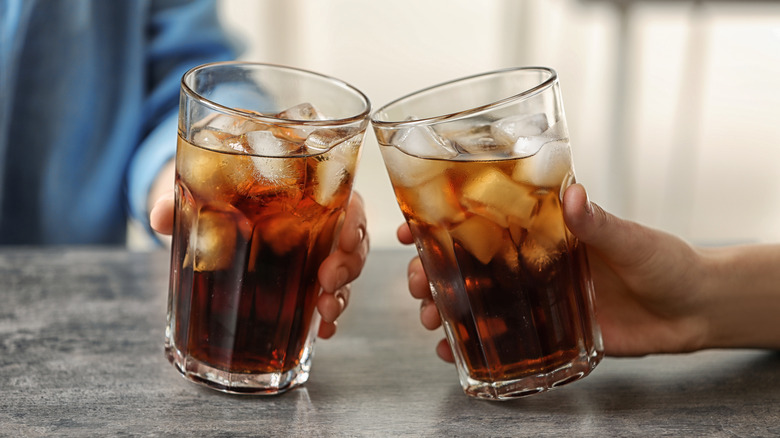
(479, 166)
(510, 282)
(259, 201)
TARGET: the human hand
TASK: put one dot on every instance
(646, 283)
(335, 274)
(342, 267)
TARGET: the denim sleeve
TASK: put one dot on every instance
(181, 35)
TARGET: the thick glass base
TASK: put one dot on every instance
(240, 383)
(534, 384)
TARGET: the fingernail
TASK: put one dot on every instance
(588, 205)
(342, 301)
(361, 233)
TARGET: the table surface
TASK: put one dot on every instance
(81, 334)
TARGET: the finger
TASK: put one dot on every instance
(353, 232)
(417, 280)
(346, 263)
(603, 231)
(444, 351)
(404, 234)
(326, 330)
(332, 305)
(161, 215)
(429, 315)
(341, 268)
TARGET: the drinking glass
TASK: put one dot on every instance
(479, 166)
(265, 162)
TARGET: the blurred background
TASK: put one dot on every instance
(673, 106)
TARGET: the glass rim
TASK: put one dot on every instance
(216, 106)
(544, 84)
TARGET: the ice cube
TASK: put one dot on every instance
(346, 152)
(219, 141)
(324, 139)
(201, 170)
(329, 176)
(402, 160)
(303, 111)
(208, 139)
(225, 173)
(266, 144)
(480, 237)
(275, 164)
(557, 131)
(297, 132)
(546, 237)
(214, 242)
(478, 141)
(240, 173)
(472, 137)
(537, 256)
(528, 146)
(492, 194)
(508, 130)
(332, 169)
(547, 226)
(547, 168)
(228, 125)
(423, 141)
(409, 171)
(435, 202)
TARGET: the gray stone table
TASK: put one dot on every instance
(81, 354)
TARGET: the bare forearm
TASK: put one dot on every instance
(741, 299)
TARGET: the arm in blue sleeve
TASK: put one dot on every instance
(156, 150)
(182, 35)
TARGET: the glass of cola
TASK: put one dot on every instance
(479, 166)
(265, 162)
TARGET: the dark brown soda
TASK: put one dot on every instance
(513, 316)
(253, 315)
(530, 324)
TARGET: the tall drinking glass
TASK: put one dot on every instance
(264, 168)
(479, 166)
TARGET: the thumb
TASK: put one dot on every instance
(615, 238)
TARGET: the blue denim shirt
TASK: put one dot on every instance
(88, 101)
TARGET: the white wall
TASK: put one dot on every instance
(700, 108)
